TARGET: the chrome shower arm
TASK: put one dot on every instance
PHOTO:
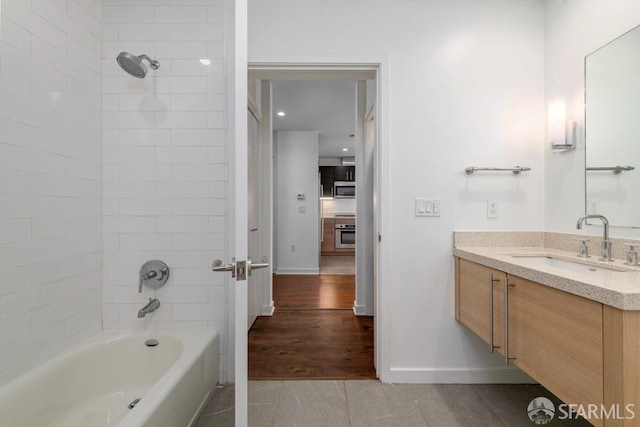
(152, 62)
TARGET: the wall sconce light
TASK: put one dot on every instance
(562, 132)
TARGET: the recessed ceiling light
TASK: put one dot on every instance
(281, 113)
(345, 149)
(205, 61)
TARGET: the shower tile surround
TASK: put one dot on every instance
(50, 179)
(100, 172)
(165, 164)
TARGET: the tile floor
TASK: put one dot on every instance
(339, 264)
(370, 403)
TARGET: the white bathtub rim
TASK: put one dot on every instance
(193, 343)
(167, 382)
(102, 338)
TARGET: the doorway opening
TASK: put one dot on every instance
(316, 318)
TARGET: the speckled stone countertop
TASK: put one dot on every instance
(618, 288)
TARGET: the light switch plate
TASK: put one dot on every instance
(427, 207)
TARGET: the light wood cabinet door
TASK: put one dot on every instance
(622, 364)
(557, 338)
(474, 284)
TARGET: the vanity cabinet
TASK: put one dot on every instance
(555, 337)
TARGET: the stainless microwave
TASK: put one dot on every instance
(344, 189)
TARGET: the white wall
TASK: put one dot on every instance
(330, 161)
(574, 29)
(165, 164)
(50, 194)
(297, 172)
(462, 83)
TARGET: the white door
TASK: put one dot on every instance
(238, 205)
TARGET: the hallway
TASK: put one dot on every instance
(314, 292)
(313, 334)
(311, 344)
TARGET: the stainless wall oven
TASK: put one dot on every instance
(345, 236)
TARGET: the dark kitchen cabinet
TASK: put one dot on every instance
(330, 174)
(344, 173)
(326, 179)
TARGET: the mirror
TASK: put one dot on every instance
(612, 126)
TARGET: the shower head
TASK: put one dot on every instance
(133, 64)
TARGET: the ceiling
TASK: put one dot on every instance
(326, 106)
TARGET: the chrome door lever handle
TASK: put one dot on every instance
(218, 266)
(255, 265)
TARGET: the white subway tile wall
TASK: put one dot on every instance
(50, 179)
(165, 164)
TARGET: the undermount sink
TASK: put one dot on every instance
(548, 261)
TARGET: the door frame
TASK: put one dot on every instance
(356, 70)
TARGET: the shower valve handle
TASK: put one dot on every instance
(150, 270)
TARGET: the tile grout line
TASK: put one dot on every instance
(346, 398)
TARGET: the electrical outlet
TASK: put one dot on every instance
(293, 247)
(593, 207)
(492, 209)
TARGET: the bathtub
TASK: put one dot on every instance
(93, 385)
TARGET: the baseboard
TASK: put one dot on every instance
(308, 271)
(456, 376)
(359, 310)
(267, 310)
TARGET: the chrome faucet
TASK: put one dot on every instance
(606, 243)
(151, 306)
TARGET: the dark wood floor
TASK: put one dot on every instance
(313, 334)
(311, 344)
(314, 292)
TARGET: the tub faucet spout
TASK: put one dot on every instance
(151, 306)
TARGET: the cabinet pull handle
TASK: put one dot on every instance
(507, 285)
(491, 282)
